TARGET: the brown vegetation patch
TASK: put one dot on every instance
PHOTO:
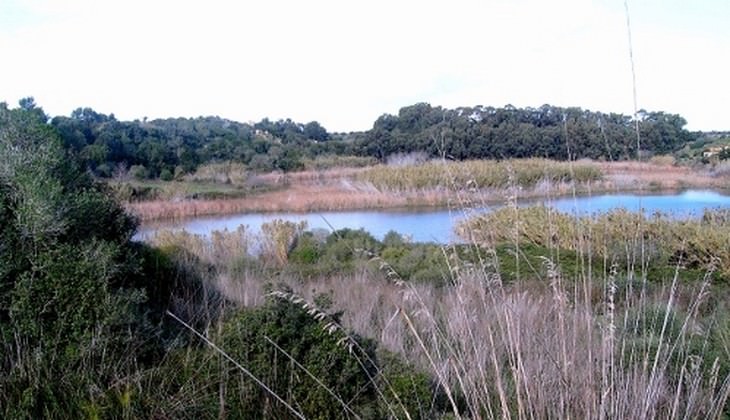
(301, 198)
(632, 175)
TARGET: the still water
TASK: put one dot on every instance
(436, 225)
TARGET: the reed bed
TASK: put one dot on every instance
(633, 175)
(482, 174)
(622, 235)
(386, 187)
(435, 183)
(344, 196)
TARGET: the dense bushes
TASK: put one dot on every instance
(66, 273)
(166, 147)
(343, 365)
(346, 250)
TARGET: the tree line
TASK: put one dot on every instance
(172, 146)
(167, 148)
(500, 133)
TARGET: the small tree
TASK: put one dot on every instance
(139, 172)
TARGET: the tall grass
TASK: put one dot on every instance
(480, 174)
(621, 235)
(343, 196)
(435, 183)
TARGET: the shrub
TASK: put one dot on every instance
(71, 307)
(261, 163)
(103, 170)
(166, 175)
(325, 352)
(139, 172)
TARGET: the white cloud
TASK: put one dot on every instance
(345, 64)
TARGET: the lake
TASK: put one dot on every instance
(436, 225)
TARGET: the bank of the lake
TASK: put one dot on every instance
(436, 224)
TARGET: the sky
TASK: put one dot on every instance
(344, 63)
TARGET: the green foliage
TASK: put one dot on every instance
(103, 142)
(139, 172)
(69, 295)
(347, 250)
(416, 391)
(307, 251)
(166, 175)
(322, 352)
(179, 145)
(509, 132)
(71, 283)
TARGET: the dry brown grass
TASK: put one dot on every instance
(302, 198)
(632, 175)
(342, 196)
(313, 176)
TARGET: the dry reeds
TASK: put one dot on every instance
(618, 234)
(633, 175)
(345, 196)
(483, 174)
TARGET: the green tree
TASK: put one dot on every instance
(314, 131)
(68, 302)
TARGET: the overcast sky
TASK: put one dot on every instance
(345, 63)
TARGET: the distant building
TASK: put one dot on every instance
(714, 150)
